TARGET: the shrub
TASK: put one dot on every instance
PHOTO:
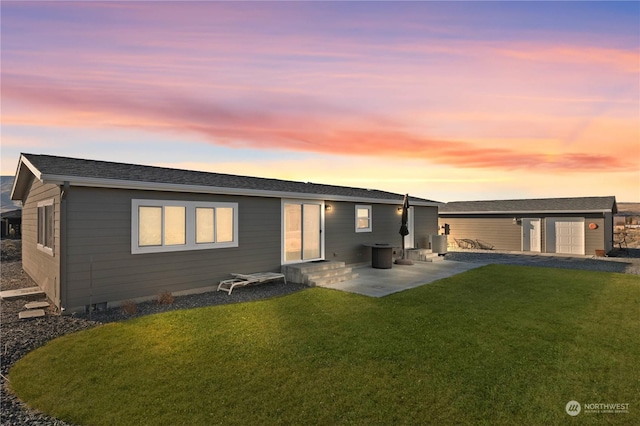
(165, 298)
(129, 307)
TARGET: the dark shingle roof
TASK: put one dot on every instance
(578, 204)
(72, 167)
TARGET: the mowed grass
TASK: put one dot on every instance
(495, 345)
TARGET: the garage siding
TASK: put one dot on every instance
(500, 232)
(594, 239)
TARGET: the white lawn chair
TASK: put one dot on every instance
(241, 280)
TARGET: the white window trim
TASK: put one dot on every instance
(370, 227)
(41, 247)
(190, 211)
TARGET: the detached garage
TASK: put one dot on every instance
(577, 226)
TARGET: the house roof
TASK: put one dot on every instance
(540, 205)
(104, 174)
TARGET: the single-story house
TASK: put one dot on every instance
(97, 232)
(552, 225)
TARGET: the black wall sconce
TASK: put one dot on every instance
(327, 207)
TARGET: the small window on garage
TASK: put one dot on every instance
(363, 219)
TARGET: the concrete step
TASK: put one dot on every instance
(318, 273)
(297, 273)
(36, 305)
(34, 313)
(310, 268)
(329, 276)
(435, 258)
(322, 282)
(21, 292)
(319, 279)
(423, 255)
(328, 273)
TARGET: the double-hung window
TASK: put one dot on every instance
(45, 226)
(164, 226)
(363, 219)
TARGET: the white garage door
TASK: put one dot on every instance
(566, 235)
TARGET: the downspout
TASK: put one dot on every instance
(63, 246)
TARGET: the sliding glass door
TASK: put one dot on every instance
(302, 229)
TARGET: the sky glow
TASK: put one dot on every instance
(446, 101)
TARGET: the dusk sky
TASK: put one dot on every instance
(445, 101)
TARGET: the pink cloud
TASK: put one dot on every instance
(277, 124)
(627, 61)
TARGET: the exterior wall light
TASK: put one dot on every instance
(327, 207)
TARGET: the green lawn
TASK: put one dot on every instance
(495, 345)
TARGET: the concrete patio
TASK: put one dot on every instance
(382, 282)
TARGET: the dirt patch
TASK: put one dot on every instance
(11, 250)
(632, 237)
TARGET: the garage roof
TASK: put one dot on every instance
(539, 205)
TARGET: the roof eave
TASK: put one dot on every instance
(522, 212)
(204, 189)
(19, 184)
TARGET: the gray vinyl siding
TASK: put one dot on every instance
(343, 243)
(102, 269)
(42, 267)
(425, 225)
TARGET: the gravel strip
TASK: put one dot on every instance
(626, 265)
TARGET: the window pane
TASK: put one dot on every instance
(175, 231)
(363, 223)
(293, 231)
(48, 213)
(40, 225)
(150, 226)
(224, 225)
(204, 225)
(311, 231)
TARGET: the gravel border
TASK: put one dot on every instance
(20, 337)
(630, 264)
